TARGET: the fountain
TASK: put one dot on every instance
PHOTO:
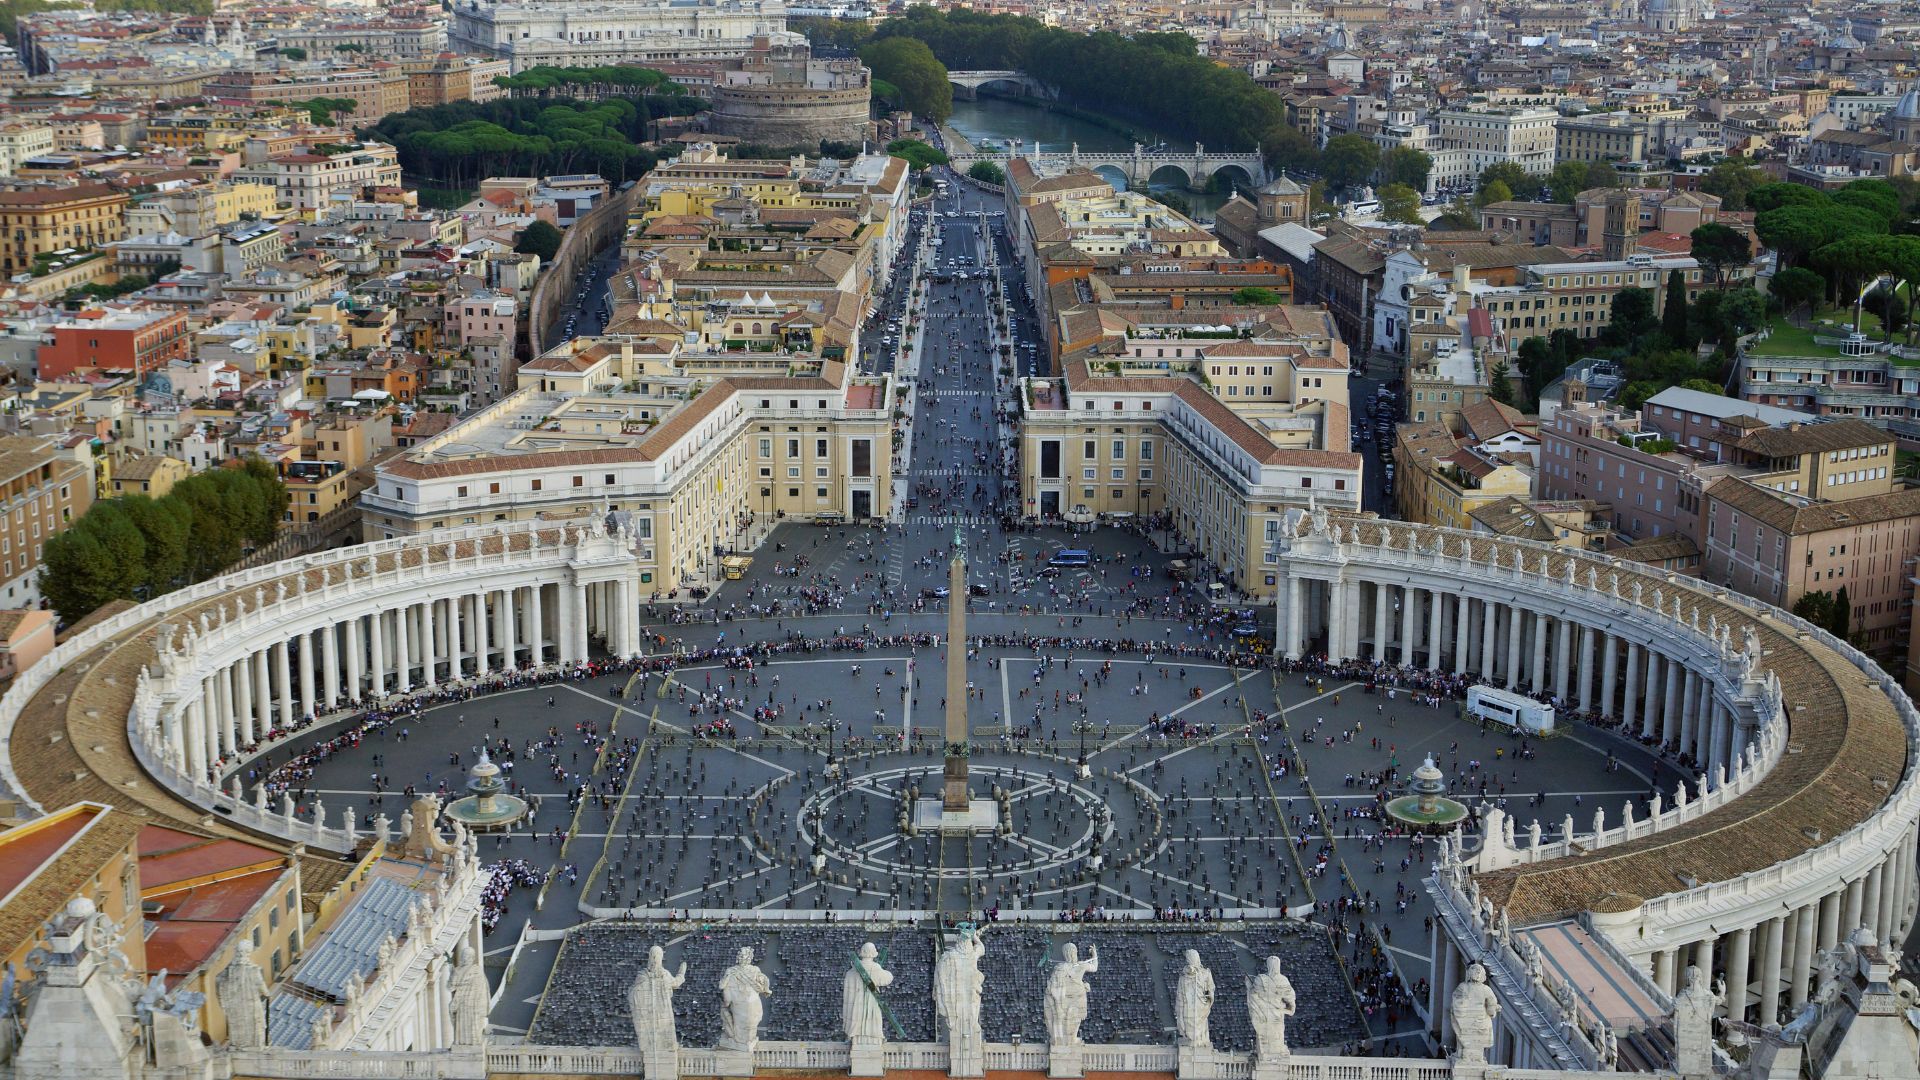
(489, 807)
(1427, 809)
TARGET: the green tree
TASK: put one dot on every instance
(1511, 174)
(987, 172)
(96, 561)
(1718, 247)
(1405, 165)
(1493, 192)
(1349, 160)
(1567, 180)
(1600, 174)
(1459, 214)
(294, 53)
(1673, 316)
(1632, 315)
(918, 154)
(1500, 383)
(1773, 196)
(1400, 203)
(165, 525)
(350, 47)
(1874, 196)
(908, 65)
(539, 238)
(1704, 386)
(1255, 296)
(1832, 612)
(1731, 181)
(1796, 287)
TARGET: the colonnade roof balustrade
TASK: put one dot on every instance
(1848, 746)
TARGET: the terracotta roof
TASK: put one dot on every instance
(1771, 508)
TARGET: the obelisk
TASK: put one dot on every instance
(954, 797)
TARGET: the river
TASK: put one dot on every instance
(1002, 120)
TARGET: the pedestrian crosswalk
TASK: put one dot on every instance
(949, 472)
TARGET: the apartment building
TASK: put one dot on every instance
(42, 491)
(375, 91)
(40, 221)
(1442, 479)
(691, 450)
(1524, 135)
(308, 180)
(130, 338)
(444, 78)
(1214, 433)
(1606, 137)
(1776, 504)
(20, 141)
(1827, 373)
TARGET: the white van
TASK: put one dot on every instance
(1503, 707)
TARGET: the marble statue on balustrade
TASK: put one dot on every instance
(650, 1001)
(1270, 1001)
(1472, 1011)
(1066, 1000)
(860, 1012)
(242, 991)
(470, 1000)
(1193, 1004)
(958, 984)
(741, 988)
(1693, 1011)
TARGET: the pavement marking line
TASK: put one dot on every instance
(615, 703)
(1128, 897)
(1237, 902)
(737, 878)
(1006, 696)
(1410, 954)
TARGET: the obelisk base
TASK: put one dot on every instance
(932, 815)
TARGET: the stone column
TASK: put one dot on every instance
(1738, 944)
(239, 729)
(1856, 894)
(404, 652)
(220, 717)
(537, 625)
(1436, 629)
(1630, 705)
(1515, 614)
(1564, 634)
(1883, 910)
(1586, 667)
(1829, 936)
(429, 647)
(1380, 633)
(1650, 694)
(507, 613)
(262, 696)
(1462, 632)
(1767, 1009)
(1803, 931)
(194, 756)
(307, 700)
(377, 643)
(1537, 673)
(1690, 713)
(1663, 974)
(283, 679)
(1717, 739)
(1610, 674)
(329, 667)
(582, 648)
(1410, 613)
(1702, 958)
(482, 648)
(355, 654)
(1489, 639)
(1671, 708)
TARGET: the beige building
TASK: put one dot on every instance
(697, 452)
(42, 491)
(1521, 134)
(1441, 480)
(1214, 434)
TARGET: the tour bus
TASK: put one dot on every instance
(1071, 557)
(1509, 709)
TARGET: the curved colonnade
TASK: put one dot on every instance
(1799, 828)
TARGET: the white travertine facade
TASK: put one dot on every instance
(535, 32)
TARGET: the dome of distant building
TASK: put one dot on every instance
(1908, 107)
